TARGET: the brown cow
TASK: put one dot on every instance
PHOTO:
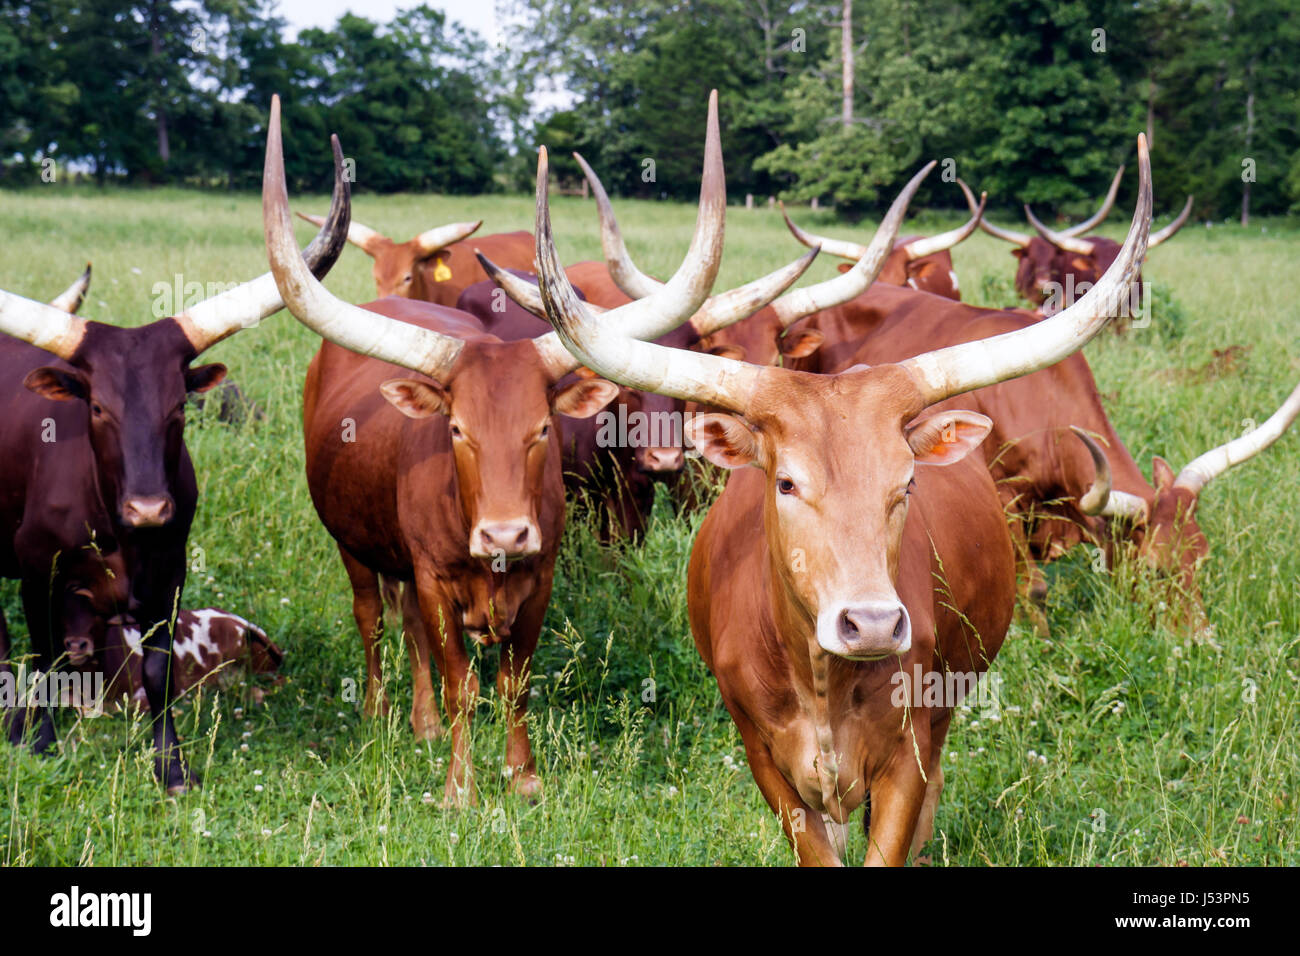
(450, 481)
(812, 581)
(1045, 475)
(1055, 268)
(436, 266)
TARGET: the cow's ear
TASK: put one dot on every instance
(1019, 252)
(845, 266)
(57, 384)
(1080, 265)
(1162, 476)
(723, 439)
(416, 399)
(729, 351)
(584, 398)
(947, 437)
(802, 343)
(204, 377)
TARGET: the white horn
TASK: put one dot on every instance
(1216, 461)
(1097, 218)
(353, 328)
(1094, 500)
(70, 299)
(631, 280)
(1083, 247)
(1162, 234)
(433, 240)
(960, 368)
(1016, 238)
(358, 234)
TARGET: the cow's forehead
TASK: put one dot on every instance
(792, 404)
(499, 377)
(133, 354)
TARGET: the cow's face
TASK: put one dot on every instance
(839, 454)
(1171, 542)
(497, 405)
(934, 274)
(1036, 270)
(407, 270)
(133, 384)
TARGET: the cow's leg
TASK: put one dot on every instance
(933, 786)
(36, 724)
(802, 824)
(368, 612)
(897, 795)
(512, 687)
(446, 645)
(157, 589)
(426, 722)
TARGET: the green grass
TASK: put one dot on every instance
(1118, 742)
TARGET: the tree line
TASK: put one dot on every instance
(1032, 100)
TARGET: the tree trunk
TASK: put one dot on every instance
(1151, 111)
(1250, 133)
(160, 110)
(846, 54)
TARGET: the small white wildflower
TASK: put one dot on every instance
(284, 601)
(266, 832)
(257, 773)
(258, 789)
(427, 797)
(454, 837)
(383, 829)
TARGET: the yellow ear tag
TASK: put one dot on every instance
(441, 273)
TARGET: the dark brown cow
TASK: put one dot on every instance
(1055, 268)
(437, 265)
(449, 480)
(812, 582)
(94, 431)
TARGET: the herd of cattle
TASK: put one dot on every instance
(445, 423)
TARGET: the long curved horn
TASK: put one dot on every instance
(358, 234)
(1061, 240)
(631, 280)
(70, 299)
(832, 247)
(669, 305)
(717, 312)
(849, 285)
(223, 315)
(1129, 507)
(916, 249)
(1100, 215)
(1016, 238)
(604, 347)
(1161, 235)
(44, 326)
(354, 328)
(920, 248)
(432, 240)
(960, 368)
(1094, 500)
(1216, 461)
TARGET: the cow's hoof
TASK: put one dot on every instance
(526, 785)
(427, 729)
(180, 789)
(459, 798)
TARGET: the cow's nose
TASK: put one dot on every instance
(80, 649)
(662, 459)
(147, 512)
(510, 539)
(867, 629)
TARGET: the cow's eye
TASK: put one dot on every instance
(406, 279)
(95, 409)
(456, 432)
(785, 486)
(911, 486)
(546, 430)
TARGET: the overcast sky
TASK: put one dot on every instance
(478, 15)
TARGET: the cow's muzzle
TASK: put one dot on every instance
(518, 538)
(865, 630)
(658, 461)
(80, 649)
(151, 511)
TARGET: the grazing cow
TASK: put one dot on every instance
(436, 266)
(449, 481)
(812, 581)
(94, 428)
(1056, 267)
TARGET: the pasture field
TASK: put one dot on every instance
(1116, 742)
